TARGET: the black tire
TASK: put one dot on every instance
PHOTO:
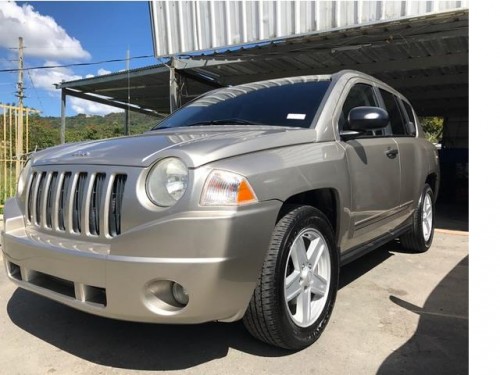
(414, 240)
(268, 317)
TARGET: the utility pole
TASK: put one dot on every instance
(20, 109)
(127, 112)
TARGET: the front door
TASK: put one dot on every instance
(375, 186)
(374, 169)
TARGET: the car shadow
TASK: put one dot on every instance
(154, 347)
(130, 345)
(440, 343)
(354, 270)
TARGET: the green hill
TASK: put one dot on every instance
(45, 131)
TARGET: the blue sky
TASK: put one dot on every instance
(64, 32)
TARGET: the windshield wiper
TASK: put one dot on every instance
(228, 121)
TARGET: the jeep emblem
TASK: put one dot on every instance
(81, 154)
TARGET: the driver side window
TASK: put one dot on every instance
(360, 95)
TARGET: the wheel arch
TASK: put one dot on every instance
(433, 182)
(326, 200)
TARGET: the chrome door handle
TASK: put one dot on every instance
(391, 154)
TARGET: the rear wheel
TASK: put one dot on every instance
(296, 291)
(419, 238)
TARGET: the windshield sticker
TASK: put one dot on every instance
(296, 116)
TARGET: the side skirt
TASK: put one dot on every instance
(358, 251)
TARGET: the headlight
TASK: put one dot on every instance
(23, 178)
(224, 188)
(167, 182)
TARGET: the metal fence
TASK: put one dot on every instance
(14, 149)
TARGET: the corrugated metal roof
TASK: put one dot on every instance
(190, 26)
(137, 72)
(425, 57)
(409, 54)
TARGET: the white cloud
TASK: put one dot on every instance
(47, 78)
(43, 37)
(91, 108)
(102, 72)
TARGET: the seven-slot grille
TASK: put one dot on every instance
(77, 203)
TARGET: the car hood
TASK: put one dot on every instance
(195, 146)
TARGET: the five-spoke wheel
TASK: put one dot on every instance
(296, 290)
(419, 237)
(307, 278)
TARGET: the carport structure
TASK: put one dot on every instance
(419, 47)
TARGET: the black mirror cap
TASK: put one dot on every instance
(367, 118)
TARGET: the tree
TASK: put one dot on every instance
(433, 128)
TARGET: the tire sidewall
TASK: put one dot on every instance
(419, 226)
(306, 217)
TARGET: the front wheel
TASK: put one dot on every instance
(296, 291)
(419, 238)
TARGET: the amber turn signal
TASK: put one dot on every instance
(224, 188)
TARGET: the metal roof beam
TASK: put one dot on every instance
(442, 80)
(419, 63)
(340, 41)
(110, 102)
(459, 92)
(441, 107)
(114, 77)
(198, 61)
(192, 74)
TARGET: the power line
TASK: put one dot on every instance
(36, 91)
(74, 64)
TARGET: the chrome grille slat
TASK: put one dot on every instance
(87, 196)
(95, 204)
(44, 188)
(104, 209)
(29, 199)
(62, 199)
(76, 203)
(70, 202)
(36, 200)
(57, 194)
(51, 197)
(115, 205)
(40, 199)
(78, 206)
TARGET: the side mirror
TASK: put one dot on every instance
(367, 118)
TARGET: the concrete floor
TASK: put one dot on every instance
(396, 313)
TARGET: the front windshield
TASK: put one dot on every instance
(291, 103)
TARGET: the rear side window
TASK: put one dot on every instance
(411, 118)
(396, 119)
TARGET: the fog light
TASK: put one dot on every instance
(180, 294)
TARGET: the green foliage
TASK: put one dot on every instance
(433, 128)
(7, 185)
(45, 131)
(42, 134)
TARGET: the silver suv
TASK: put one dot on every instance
(243, 204)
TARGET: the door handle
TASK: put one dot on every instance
(391, 154)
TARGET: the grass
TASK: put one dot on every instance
(7, 186)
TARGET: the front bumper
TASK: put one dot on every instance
(216, 256)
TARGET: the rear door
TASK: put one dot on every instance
(403, 130)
